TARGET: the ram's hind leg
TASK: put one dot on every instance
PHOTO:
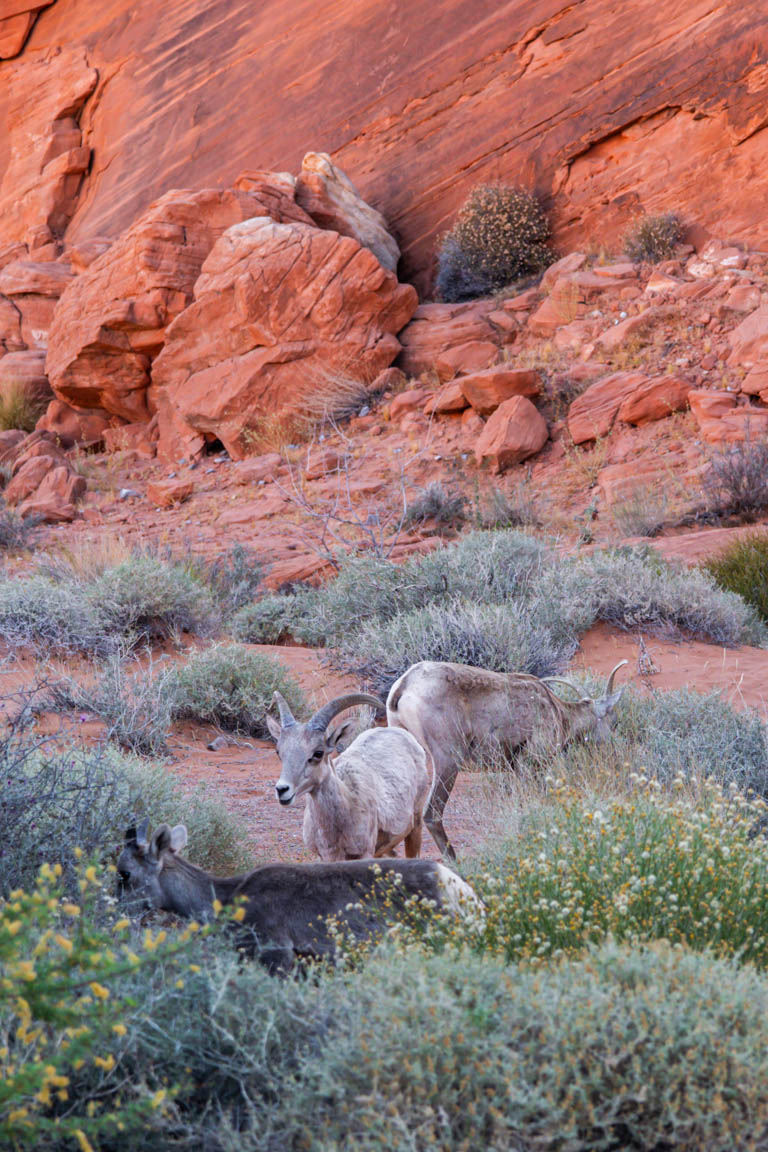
(413, 839)
(446, 772)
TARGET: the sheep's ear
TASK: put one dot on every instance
(339, 736)
(606, 704)
(179, 838)
(274, 727)
(161, 839)
(141, 834)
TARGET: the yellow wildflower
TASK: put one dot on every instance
(99, 990)
(82, 1139)
(119, 1029)
(70, 909)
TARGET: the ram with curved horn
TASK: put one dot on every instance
(361, 800)
(453, 709)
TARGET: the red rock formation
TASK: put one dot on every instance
(43, 483)
(276, 306)
(592, 414)
(515, 431)
(111, 321)
(604, 108)
(485, 391)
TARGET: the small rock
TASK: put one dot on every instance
(127, 493)
(218, 743)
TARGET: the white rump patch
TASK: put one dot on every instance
(458, 897)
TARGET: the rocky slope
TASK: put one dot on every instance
(604, 108)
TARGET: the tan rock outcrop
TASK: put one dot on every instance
(593, 413)
(515, 431)
(473, 356)
(71, 426)
(437, 329)
(111, 321)
(749, 340)
(486, 390)
(723, 420)
(276, 306)
(331, 199)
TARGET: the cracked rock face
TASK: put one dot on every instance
(278, 308)
(605, 109)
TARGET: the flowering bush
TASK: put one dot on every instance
(62, 1030)
(648, 868)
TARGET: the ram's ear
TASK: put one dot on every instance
(274, 727)
(179, 838)
(161, 840)
(340, 736)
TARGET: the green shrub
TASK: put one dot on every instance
(145, 598)
(653, 238)
(742, 568)
(232, 578)
(496, 509)
(231, 686)
(502, 637)
(37, 610)
(499, 236)
(266, 621)
(446, 511)
(643, 1048)
(58, 799)
(643, 869)
(634, 589)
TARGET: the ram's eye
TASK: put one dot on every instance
(316, 756)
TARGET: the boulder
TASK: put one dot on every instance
(166, 493)
(277, 307)
(463, 358)
(110, 323)
(515, 431)
(331, 199)
(755, 383)
(16, 20)
(72, 426)
(450, 398)
(655, 399)
(573, 262)
(486, 390)
(722, 420)
(593, 413)
(258, 469)
(749, 339)
(411, 400)
(134, 438)
(43, 483)
(436, 329)
(25, 372)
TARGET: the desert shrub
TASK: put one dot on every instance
(737, 481)
(15, 530)
(231, 686)
(411, 1054)
(266, 621)
(498, 237)
(644, 513)
(743, 568)
(145, 598)
(447, 511)
(633, 589)
(645, 868)
(652, 238)
(135, 706)
(39, 611)
(496, 509)
(56, 800)
(502, 637)
(233, 578)
(19, 409)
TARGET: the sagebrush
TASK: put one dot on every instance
(652, 238)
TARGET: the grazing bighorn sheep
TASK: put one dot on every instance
(365, 801)
(451, 708)
(286, 905)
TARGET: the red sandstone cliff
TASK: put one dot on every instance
(605, 107)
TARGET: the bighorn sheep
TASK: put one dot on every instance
(366, 800)
(286, 905)
(450, 708)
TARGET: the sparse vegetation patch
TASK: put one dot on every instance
(652, 238)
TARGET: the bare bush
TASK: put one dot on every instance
(737, 481)
(446, 511)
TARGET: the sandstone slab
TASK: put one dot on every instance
(655, 399)
(593, 413)
(464, 358)
(486, 390)
(166, 493)
(515, 431)
(437, 329)
(412, 400)
(277, 306)
(70, 426)
(450, 398)
(749, 340)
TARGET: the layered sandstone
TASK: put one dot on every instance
(605, 109)
(278, 308)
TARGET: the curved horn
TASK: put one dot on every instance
(609, 687)
(142, 838)
(560, 680)
(322, 718)
(287, 719)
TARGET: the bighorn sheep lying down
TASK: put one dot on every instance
(365, 801)
(286, 905)
(451, 708)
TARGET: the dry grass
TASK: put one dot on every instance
(18, 409)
